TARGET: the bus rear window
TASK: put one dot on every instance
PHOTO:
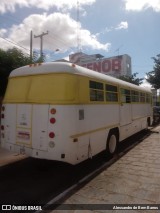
(17, 89)
(53, 87)
(48, 88)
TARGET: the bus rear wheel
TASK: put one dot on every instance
(112, 142)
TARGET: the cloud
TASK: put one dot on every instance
(90, 40)
(122, 25)
(139, 5)
(146, 84)
(10, 5)
(3, 32)
(64, 33)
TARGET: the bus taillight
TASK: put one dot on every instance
(53, 111)
(51, 135)
(52, 120)
(2, 127)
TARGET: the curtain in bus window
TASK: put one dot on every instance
(17, 89)
(53, 88)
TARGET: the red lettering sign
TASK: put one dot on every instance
(90, 66)
(97, 66)
(105, 66)
(116, 65)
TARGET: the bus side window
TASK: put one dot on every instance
(96, 91)
(135, 96)
(111, 93)
(142, 97)
(125, 96)
(148, 98)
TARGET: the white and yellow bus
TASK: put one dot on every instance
(64, 112)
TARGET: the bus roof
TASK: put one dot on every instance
(65, 67)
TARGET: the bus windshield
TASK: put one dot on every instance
(48, 88)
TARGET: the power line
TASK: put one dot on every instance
(62, 41)
(14, 43)
(56, 39)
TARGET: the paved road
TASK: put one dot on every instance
(7, 157)
(134, 179)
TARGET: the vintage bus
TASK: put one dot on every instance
(64, 112)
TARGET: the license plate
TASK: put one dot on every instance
(22, 135)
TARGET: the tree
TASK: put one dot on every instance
(153, 77)
(132, 79)
(10, 60)
(37, 58)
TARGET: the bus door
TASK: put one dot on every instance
(125, 107)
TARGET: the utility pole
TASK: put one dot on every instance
(41, 42)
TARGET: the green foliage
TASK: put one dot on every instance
(12, 59)
(153, 77)
(37, 59)
(132, 79)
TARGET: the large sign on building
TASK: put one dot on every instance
(115, 66)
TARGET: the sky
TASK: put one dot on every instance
(106, 27)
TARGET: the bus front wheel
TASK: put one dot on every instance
(112, 142)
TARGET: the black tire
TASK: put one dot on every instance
(112, 143)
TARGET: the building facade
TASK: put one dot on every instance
(115, 66)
